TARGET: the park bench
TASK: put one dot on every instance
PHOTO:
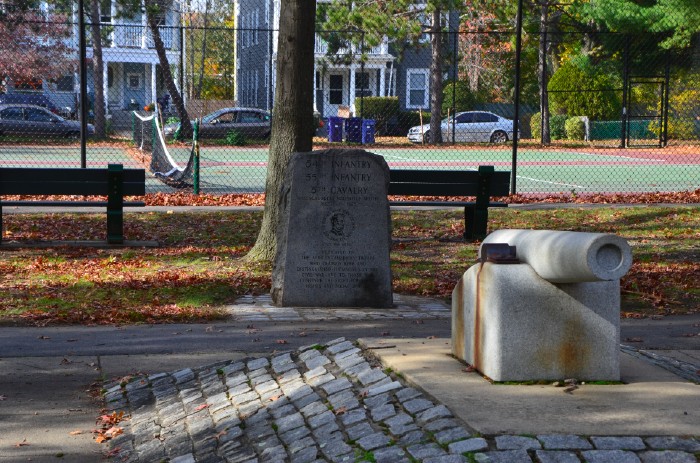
(115, 182)
(484, 184)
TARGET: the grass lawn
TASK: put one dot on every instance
(199, 267)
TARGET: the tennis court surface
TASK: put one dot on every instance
(231, 169)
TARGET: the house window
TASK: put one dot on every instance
(64, 84)
(133, 81)
(335, 95)
(416, 88)
(257, 26)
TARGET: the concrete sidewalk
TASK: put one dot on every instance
(399, 398)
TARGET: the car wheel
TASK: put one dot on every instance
(499, 136)
(426, 136)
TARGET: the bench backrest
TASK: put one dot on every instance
(61, 181)
(447, 182)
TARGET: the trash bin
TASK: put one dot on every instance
(368, 127)
(335, 129)
(353, 130)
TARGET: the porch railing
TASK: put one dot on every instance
(138, 36)
(321, 47)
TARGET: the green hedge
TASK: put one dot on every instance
(556, 126)
(575, 128)
(382, 110)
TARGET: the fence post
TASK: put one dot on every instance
(83, 84)
(625, 91)
(518, 50)
(664, 112)
(195, 147)
(455, 60)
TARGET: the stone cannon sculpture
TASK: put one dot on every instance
(542, 305)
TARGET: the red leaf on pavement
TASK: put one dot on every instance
(201, 407)
(281, 341)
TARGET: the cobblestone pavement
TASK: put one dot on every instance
(331, 403)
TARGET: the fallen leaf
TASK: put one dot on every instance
(430, 337)
(385, 333)
(275, 398)
(469, 369)
(341, 410)
(65, 361)
(22, 444)
(281, 341)
(201, 407)
(418, 322)
(43, 337)
(302, 334)
(76, 432)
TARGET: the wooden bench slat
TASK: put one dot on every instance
(41, 174)
(67, 188)
(443, 203)
(30, 203)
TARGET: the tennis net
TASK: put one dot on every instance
(163, 166)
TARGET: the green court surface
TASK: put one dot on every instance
(229, 169)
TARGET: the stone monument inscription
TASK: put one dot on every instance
(334, 233)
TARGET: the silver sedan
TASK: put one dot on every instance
(468, 126)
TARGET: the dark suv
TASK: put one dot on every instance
(38, 99)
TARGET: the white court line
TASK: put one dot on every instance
(552, 183)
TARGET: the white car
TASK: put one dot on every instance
(468, 126)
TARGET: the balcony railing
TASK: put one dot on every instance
(321, 47)
(137, 36)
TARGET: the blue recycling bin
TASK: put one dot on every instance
(353, 130)
(368, 128)
(335, 129)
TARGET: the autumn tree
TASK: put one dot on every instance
(42, 37)
(292, 124)
(403, 22)
(212, 58)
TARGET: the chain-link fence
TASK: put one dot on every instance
(597, 111)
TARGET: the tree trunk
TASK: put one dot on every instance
(542, 75)
(98, 70)
(436, 79)
(292, 123)
(185, 123)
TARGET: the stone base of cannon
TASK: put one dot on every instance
(512, 324)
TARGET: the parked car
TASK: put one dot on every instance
(36, 121)
(38, 99)
(249, 122)
(468, 126)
